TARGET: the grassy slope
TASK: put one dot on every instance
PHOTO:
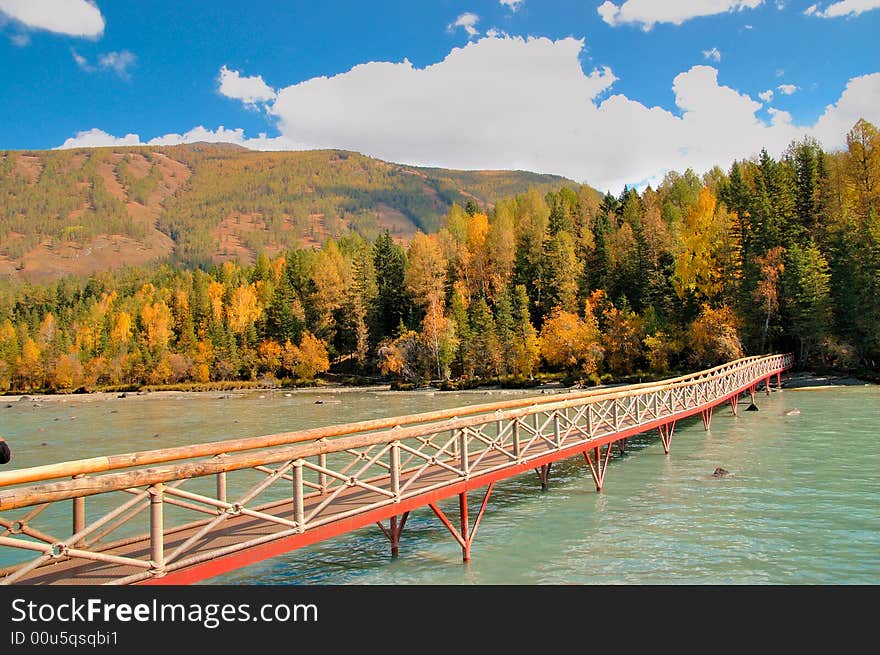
(81, 211)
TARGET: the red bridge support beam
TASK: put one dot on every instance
(779, 380)
(600, 466)
(666, 432)
(544, 475)
(465, 537)
(707, 418)
(393, 532)
(767, 385)
(734, 402)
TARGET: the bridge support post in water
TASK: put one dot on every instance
(666, 431)
(706, 414)
(465, 537)
(779, 381)
(621, 446)
(734, 403)
(600, 466)
(767, 385)
(544, 475)
(393, 531)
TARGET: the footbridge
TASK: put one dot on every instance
(180, 515)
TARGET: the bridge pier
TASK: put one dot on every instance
(707, 418)
(779, 381)
(734, 403)
(666, 431)
(600, 466)
(544, 475)
(393, 531)
(466, 535)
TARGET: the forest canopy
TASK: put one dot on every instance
(768, 255)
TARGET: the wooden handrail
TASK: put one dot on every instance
(165, 455)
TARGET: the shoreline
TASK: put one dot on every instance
(809, 380)
(800, 380)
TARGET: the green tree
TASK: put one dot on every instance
(392, 304)
(806, 283)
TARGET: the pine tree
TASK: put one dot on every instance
(806, 282)
(392, 305)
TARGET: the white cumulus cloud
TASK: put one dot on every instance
(514, 5)
(468, 21)
(766, 96)
(250, 90)
(95, 138)
(649, 12)
(72, 17)
(488, 105)
(842, 8)
(787, 89)
(712, 55)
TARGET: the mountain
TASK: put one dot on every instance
(80, 211)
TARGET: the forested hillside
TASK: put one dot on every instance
(88, 210)
(767, 255)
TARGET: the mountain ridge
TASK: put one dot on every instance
(82, 210)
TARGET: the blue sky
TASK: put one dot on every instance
(610, 93)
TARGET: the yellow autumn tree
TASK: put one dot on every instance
(402, 356)
(216, 291)
(269, 352)
(426, 270)
(438, 332)
(243, 309)
(203, 356)
(697, 269)
(120, 332)
(67, 372)
(570, 343)
(328, 277)
(29, 365)
(713, 338)
(156, 318)
(312, 358)
(500, 248)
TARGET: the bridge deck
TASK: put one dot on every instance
(244, 528)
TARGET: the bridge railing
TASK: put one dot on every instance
(299, 481)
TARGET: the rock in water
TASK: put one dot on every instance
(752, 408)
(720, 473)
(793, 412)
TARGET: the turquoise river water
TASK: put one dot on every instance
(802, 505)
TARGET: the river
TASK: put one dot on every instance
(801, 505)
